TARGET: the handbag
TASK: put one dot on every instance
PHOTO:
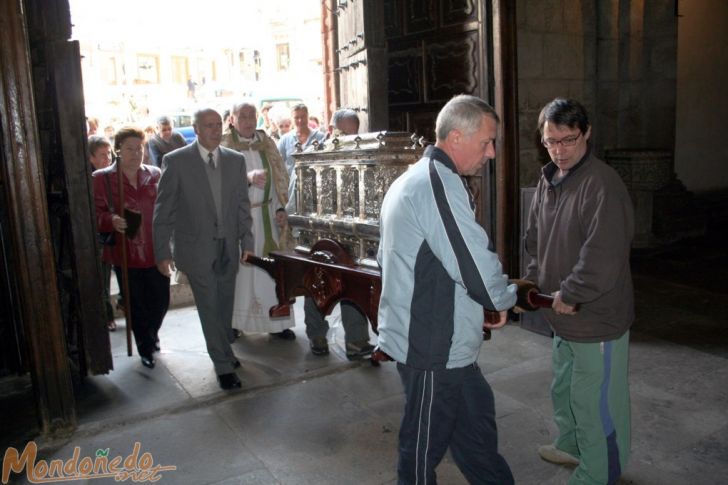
(108, 238)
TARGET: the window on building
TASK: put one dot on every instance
(108, 71)
(248, 63)
(202, 67)
(282, 57)
(256, 61)
(147, 69)
(180, 69)
(242, 64)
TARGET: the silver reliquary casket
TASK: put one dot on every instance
(339, 188)
(340, 185)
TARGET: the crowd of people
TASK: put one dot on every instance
(206, 207)
(266, 141)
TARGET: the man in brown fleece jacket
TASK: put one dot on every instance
(579, 233)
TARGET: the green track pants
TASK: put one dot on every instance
(590, 395)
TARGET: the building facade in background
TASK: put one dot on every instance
(136, 68)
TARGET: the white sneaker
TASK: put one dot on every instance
(554, 455)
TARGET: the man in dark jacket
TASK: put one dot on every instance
(164, 141)
(579, 233)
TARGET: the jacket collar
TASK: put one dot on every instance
(438, 154)
(113, 169)
(435, 153)
(550, 169)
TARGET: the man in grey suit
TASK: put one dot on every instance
(203, 212)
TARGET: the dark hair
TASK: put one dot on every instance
(299, 107)
(565, 112)
(124, 133)
(95, 142)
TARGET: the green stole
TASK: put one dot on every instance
(269, 244)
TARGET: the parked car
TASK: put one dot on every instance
(274, 101)
(183, 125)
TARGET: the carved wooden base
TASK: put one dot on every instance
(327, 274)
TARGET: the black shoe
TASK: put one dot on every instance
(229, 381)
(237, 333)
(286, 334)
(148, 361)
(319, 346)
(236, 364)
(359, 350)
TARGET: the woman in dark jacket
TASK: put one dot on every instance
(148, 288)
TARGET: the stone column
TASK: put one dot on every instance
(644, 172)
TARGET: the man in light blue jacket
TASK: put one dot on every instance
(438, 276)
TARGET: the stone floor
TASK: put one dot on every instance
(301, 419)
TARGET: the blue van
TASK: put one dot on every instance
(183, 125)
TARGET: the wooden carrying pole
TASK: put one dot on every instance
(124, 262)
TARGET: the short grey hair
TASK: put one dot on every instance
(465, 113)
(344, 114)
(242, 104)
(164, 120)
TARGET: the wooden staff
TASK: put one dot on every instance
(124, 262)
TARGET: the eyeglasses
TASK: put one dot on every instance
(567, 141)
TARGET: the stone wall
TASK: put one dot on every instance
(701, 154)
(618, 57)
(556, 42)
